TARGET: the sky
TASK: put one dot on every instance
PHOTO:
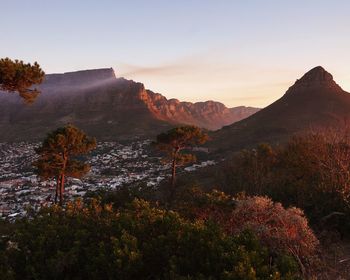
(238, 52)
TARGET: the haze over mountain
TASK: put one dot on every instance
(107, 108)
(314, 101)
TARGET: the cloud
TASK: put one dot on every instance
(199, 78)
(194, 67)
(136, 70)
(179, 67)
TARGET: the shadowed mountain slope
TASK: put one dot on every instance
(106, 107)
(314, 101)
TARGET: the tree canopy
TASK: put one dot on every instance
(177, 140)
(58, 156)
(17, 76)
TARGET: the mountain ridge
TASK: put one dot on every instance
(106, 107)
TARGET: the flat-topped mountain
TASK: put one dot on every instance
(314, 101)
(80, 78)
(106, 107)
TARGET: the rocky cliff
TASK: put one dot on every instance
(106, 107)
(209, 114)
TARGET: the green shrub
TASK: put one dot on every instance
(136, 242)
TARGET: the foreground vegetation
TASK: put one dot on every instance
(311, 172)
(183, 232)
(202, 236)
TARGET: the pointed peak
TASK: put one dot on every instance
(315, 79)
(317, 74)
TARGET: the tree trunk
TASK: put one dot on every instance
(64, 156)
(57, 188)
(173, 166)
(173, 172)
(61, 189)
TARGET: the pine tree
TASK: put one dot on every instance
(17, 76)
(58, 156)
(176, 141)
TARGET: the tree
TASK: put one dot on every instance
(17, 76)
(58, 156)
(175, 141)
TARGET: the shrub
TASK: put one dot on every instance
(311, 172)
(136, 242)
(283, 231)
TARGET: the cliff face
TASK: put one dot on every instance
(209, 114)
(106, 107)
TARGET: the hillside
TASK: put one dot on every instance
(107, 107)
(314, 101)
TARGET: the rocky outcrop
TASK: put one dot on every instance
(106, 107)
(209, 114)
(316, 79)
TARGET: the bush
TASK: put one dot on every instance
(137, 242)
(282, 231)
(311, 172)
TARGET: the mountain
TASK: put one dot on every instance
(106, 107)
(314, 101)
(211, 115)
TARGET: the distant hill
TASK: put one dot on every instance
(314, 101)
(106, 107)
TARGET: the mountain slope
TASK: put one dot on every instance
(314, 101)
(106, 107)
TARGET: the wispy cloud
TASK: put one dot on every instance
(198, 78)
(129, 70)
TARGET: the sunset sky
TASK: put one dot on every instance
(240, 52)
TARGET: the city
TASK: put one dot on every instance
(113, 165)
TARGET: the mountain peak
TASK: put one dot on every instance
(315, 79)
(317, 74)
(314, 102)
